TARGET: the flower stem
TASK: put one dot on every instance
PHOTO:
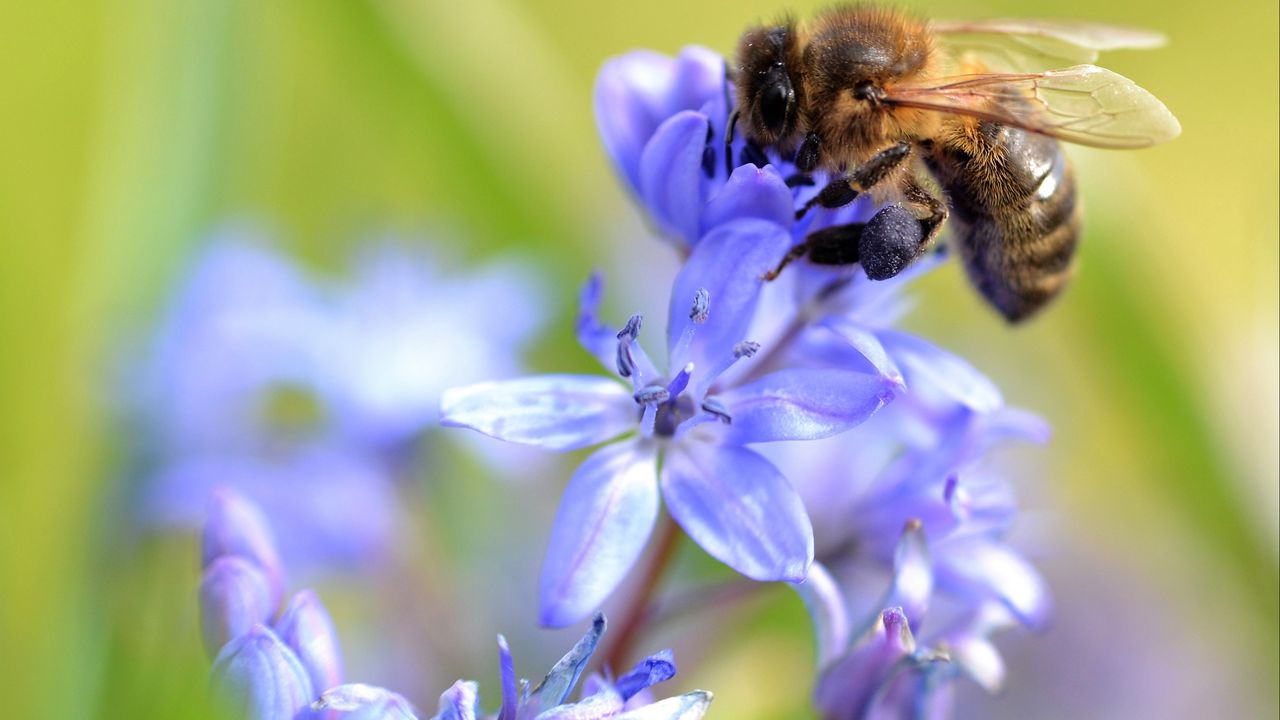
(637, 614)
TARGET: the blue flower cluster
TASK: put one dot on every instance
(789, 428)
(289, 666)
(808, 357)
(304, 392)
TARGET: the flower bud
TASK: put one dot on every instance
(260, 678)
(234, 596)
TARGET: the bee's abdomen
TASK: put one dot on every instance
(1015, 218)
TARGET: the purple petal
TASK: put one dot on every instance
(826, 605)
(556, 412)
(593, 335)
(308, 630)
(912, 574)
(356, 701)
(649, 672)
(740, 509)
(846, 688)
(458, 702)
(751, 192)
(728, 263)
(507, 673)
(606, 515)
(927, 364)
(559, 682)
(865, 345)
(978, 566)
(671, 174)
(634, 93)
(803, 404)
(690, 706)
(234, 596)
(600, 705)
(259, 677)
(235, 526)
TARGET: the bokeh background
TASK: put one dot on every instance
(132, 128)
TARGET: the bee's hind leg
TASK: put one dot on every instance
(895, 236)
(836, 245)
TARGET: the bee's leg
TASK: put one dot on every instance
(895, 236)
(844, 190)
(753, 154)
(936, 209)
(837, 245)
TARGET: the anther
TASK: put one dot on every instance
(651, 395)
(632, 328)
(701, 306)
(746, 348)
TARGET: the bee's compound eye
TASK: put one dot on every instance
(773, 106)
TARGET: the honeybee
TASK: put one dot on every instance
(882, 101)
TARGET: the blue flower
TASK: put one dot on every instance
(693, 422)
(663, 122)
(885, 667)
(623, 698)
(300, 391)
(289, 667)
(925, 459)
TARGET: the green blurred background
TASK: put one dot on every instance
(132, 127)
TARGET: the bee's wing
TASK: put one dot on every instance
(1084, 104)
(1034, 45)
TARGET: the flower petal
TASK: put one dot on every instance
(652, 670)
(606, 515)
(308, 630)
(846, 688)
(864, 344)
(556, 412)
(635, 92)
(507, 673)
(927, 364)
(978, 567)
(235, 526)
(740, 509)
(259, 677)
(559, 682)
(728, 264)
(690, 706)
(234, 596)
(458, 702)
(826, 605)
(356, 701)
(912, 574)
(803, 404)
(671, 174)
(751, 192)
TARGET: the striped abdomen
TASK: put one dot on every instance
(1014, 215)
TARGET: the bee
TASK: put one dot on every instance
(883, 102)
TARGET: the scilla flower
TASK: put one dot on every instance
(686, 430)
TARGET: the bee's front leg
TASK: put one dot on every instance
(844, 190)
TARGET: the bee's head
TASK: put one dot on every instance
(767, 96)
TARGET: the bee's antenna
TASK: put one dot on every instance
(728, 143)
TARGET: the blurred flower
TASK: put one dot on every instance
(884, 671)
(727, 497)
(304, 393)
(927, 459)
(290, 667)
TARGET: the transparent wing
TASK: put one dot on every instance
(1035, 45)
(1084, 104)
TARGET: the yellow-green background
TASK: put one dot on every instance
(130, 127)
